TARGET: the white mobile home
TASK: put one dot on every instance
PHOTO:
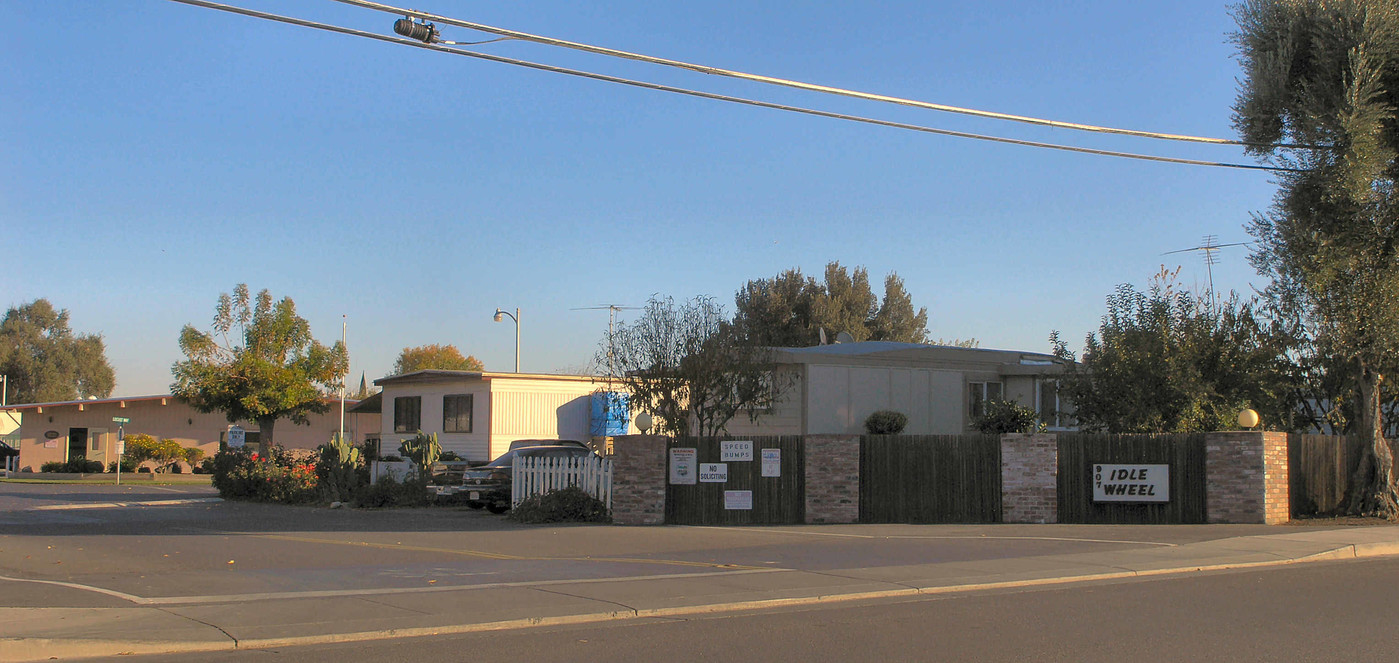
(478, 414)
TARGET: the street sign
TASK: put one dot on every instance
(121, 420)
(1131, 483)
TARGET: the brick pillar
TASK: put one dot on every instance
(638, 480)
(1029, 478)
(832, 479)
(1246, 479)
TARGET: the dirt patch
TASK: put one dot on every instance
(1337, 521)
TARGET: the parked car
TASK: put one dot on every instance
(546, 443)
(489, 485)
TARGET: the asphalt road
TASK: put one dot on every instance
(191, 547)
(257, 573)
(1318, 612)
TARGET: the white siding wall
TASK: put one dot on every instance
(472, 446)
(840, 398)
(785, 417)
(523, 409)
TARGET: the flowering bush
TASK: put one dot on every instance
(270, 476)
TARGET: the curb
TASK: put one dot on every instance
(26, 650)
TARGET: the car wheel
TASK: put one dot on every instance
(497, 508)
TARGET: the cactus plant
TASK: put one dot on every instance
(423, 450)
(340, 469)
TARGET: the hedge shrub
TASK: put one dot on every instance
(75, 466)
(1001, 417)
(886, 422)
(270, 476)
(565, 505)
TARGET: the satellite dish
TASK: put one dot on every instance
(844, 337)
(822, 331)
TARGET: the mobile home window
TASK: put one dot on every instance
(407, 414)
(456, 413)
(1052, 406)
(979, 394)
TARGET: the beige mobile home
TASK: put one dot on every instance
(939, 388)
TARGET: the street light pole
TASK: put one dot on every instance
(516, 318)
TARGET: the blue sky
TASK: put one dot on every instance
(157, 154)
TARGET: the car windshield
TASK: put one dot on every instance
(507, 459)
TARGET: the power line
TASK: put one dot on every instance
(720, 97)
(800, 85)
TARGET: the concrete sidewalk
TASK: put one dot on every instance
(130, 624)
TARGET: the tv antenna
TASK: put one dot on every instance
(611, 323)
(1208, 246)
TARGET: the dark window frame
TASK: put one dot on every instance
(452, 414)
(978, 393)
(403, 406)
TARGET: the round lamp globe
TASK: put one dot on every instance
(1248, 418)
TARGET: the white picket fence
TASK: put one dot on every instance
(539, 474)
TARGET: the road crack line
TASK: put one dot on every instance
(624, 606)
(200, 621)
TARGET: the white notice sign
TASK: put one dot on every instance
(682, 466)
(1131, 483)
(714, 472)
(738, 500)
(772, 462)
(235, 437)
(736, 450)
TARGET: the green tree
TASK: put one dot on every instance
(1324, 78)
(439, 357)
(685, 363)
(46, 362)
(259, 364)
(790, 309)
(1168, 361)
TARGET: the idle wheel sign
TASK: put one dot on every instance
(1131, 483)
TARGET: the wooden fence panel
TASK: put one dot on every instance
(1319, 469)
(779, 500)
(1185, 454)
(930, 479)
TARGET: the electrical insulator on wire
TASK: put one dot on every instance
(423, 32)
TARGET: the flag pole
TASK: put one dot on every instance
(344, 327)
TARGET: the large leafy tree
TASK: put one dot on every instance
(46, 362)
(441, 357)
(685, 364)
(790, 309)
(1168, 361)
(1323, 76)
(259, 363)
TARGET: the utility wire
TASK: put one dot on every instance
(813, 87)
(718, 97)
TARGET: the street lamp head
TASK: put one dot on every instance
(1248, 418)
(497, 315)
